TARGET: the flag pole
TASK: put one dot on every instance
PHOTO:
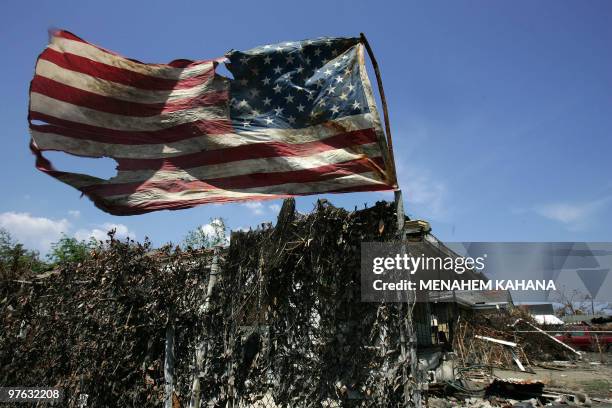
(412, 394)
(383, 100)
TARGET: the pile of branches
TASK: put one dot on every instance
(473, 348)
(508, 325)
(284, 325)
(97, 327)
(288, 325)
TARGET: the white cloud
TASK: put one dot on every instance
(100, 232)
(74, 213)
(424, 195)
(256, 207)
(34, 232)
(573, 215)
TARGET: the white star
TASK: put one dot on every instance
(266, 81)
(278, 70)
(299, 69)
(327, 72)
(310, 96)
(334, 109)
(343, 96)
(291, 119)
(289, 98)
(267, 60)
(278, 110)
(322, 101)
(344, 57)
(339, 79)
(246, 123)
(351, 87)
(307, 60)
(243, 104)
(277, 88)
(267, 101)
(289, 59)
(269, 121)
(331, 90)
(254, 93)
(244, 60)
(300, 108)
(337, 64)
(244, 82)
(356, 105)
(334, 52)
(317, 52)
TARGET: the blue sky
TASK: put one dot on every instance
(501, 111)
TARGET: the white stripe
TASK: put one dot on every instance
(83, 147)
(63, 110)
(123, 92)
(352, 180)
(91, 52)
(251, 166)
(243, 167)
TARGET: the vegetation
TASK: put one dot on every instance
(206, 236)
(15, 259)
(69, 249)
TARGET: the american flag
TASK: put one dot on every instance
(297, 118)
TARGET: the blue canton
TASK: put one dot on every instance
(295, 84)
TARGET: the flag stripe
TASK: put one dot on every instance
(102, 134)
(69, 94)
(184, 139)
(124, 92)
(326, 172)
(92, 117)
(353, 181)
(122, 206)
(244, 167)
(259, 150)
(68, 43)
(124, 76)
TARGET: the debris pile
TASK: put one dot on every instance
(97, 328)
(282, 324)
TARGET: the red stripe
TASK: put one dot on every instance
(122, 76)
(75, 96)
(251, 151)
(104, 135)
(179, 63)
(156, 205)
(252, 180)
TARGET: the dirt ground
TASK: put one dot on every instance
(592, 375)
